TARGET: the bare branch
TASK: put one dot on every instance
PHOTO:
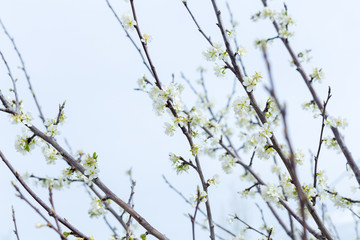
(14, 220)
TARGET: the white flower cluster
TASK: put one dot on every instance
(54, 183)
(52, 125)
(26, 142)
(271, 110)
(299, 156)
(50, 154)
(287, 186)
(90, 164)
(169, 129)
(264, 14)
(338, 200)
(317, 74)
(331, 143)
(219, 70)
(241, 51)
(25, 118)
(284, 20)
(161, 97)
(265, 151)
(336, 122)
(213, 53)
(97, 208)
(271, 193)
(312, 107)
(303, 57)
(227, 162)
(259, 139)
(251, 82)
(202, 197)
(179, 165)
(242, 106)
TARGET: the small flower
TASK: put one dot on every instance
(230, 33)
(201, 196)
(241, 51)
(97, 208)
(169, 129)
(219, 70)
(214, 180)
(52, 131)
(50, 154)
(227, 162)
(266, 130)
(241, 105)
(265, 152)
(195, 150)
(212, 52)
(251, 82)
(142, 82)
(179, 165)
(338, 122)
(90, 164)
(299, 157)
(25, 143)
(317, 74)
(40, 225)
(146, 39)
(128, 22)
(25, 118)
(331, 143)
(271, 193)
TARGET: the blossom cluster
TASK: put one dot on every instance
(251, 82)
(283, 19)
(161, 97)
(216, 52)
(89, 162)
(200, 196)
(180, 166)
(98, 207)
(21, 117)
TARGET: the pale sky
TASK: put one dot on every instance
(76, 51)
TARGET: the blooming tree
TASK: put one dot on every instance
(248, 134)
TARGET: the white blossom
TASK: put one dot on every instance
(128, 22)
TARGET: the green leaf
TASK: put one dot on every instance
(143, 236)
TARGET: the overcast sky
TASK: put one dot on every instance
(76, 51)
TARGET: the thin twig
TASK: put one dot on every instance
(128, 36)
(53, 210)
(61, 109)
(21, 196)
(200, 210)
(14, 220)
(75, 231)
(13, 80)
(23, 68)
(316, 158)
(235, 38)
(193, 218)
(248, 226)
